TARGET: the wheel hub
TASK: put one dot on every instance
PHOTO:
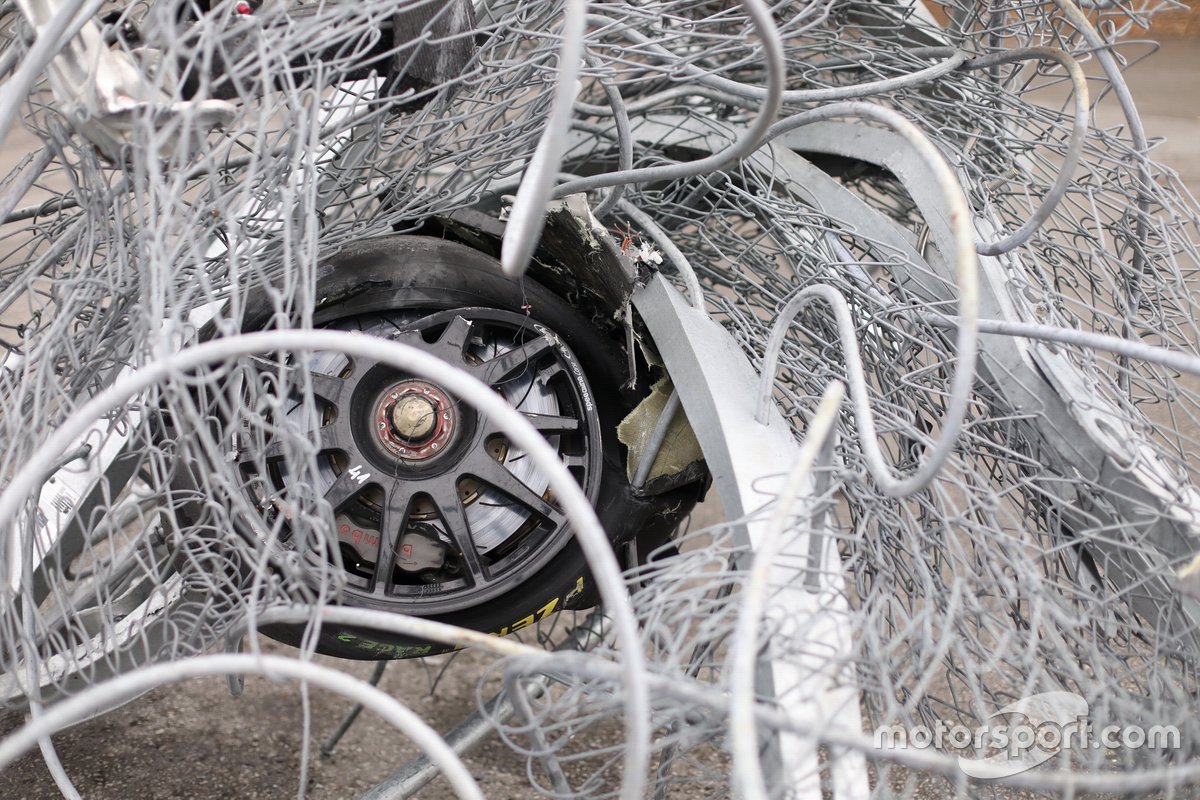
(415, 420)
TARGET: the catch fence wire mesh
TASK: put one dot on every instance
(1044, 555)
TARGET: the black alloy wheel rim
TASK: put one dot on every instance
(405, 441)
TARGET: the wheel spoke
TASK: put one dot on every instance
(505, 364)
(407, 336)
(547, 424)
(454, 517)
(347, 486)
(272, 451)
(454, 337)
(391, 524)
(329, 438)
(263, 364)
(327, 387)
(334, 436)
(497, 476)
(552, 423)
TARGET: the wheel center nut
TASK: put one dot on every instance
(414, 418)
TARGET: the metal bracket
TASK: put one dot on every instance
(1084, 433)
(718, 387)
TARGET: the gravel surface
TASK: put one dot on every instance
(196, 741)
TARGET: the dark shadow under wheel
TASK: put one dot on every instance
(437, 514)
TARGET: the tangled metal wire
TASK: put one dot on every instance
(912, 199)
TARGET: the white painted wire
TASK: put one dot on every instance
(967, 197)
